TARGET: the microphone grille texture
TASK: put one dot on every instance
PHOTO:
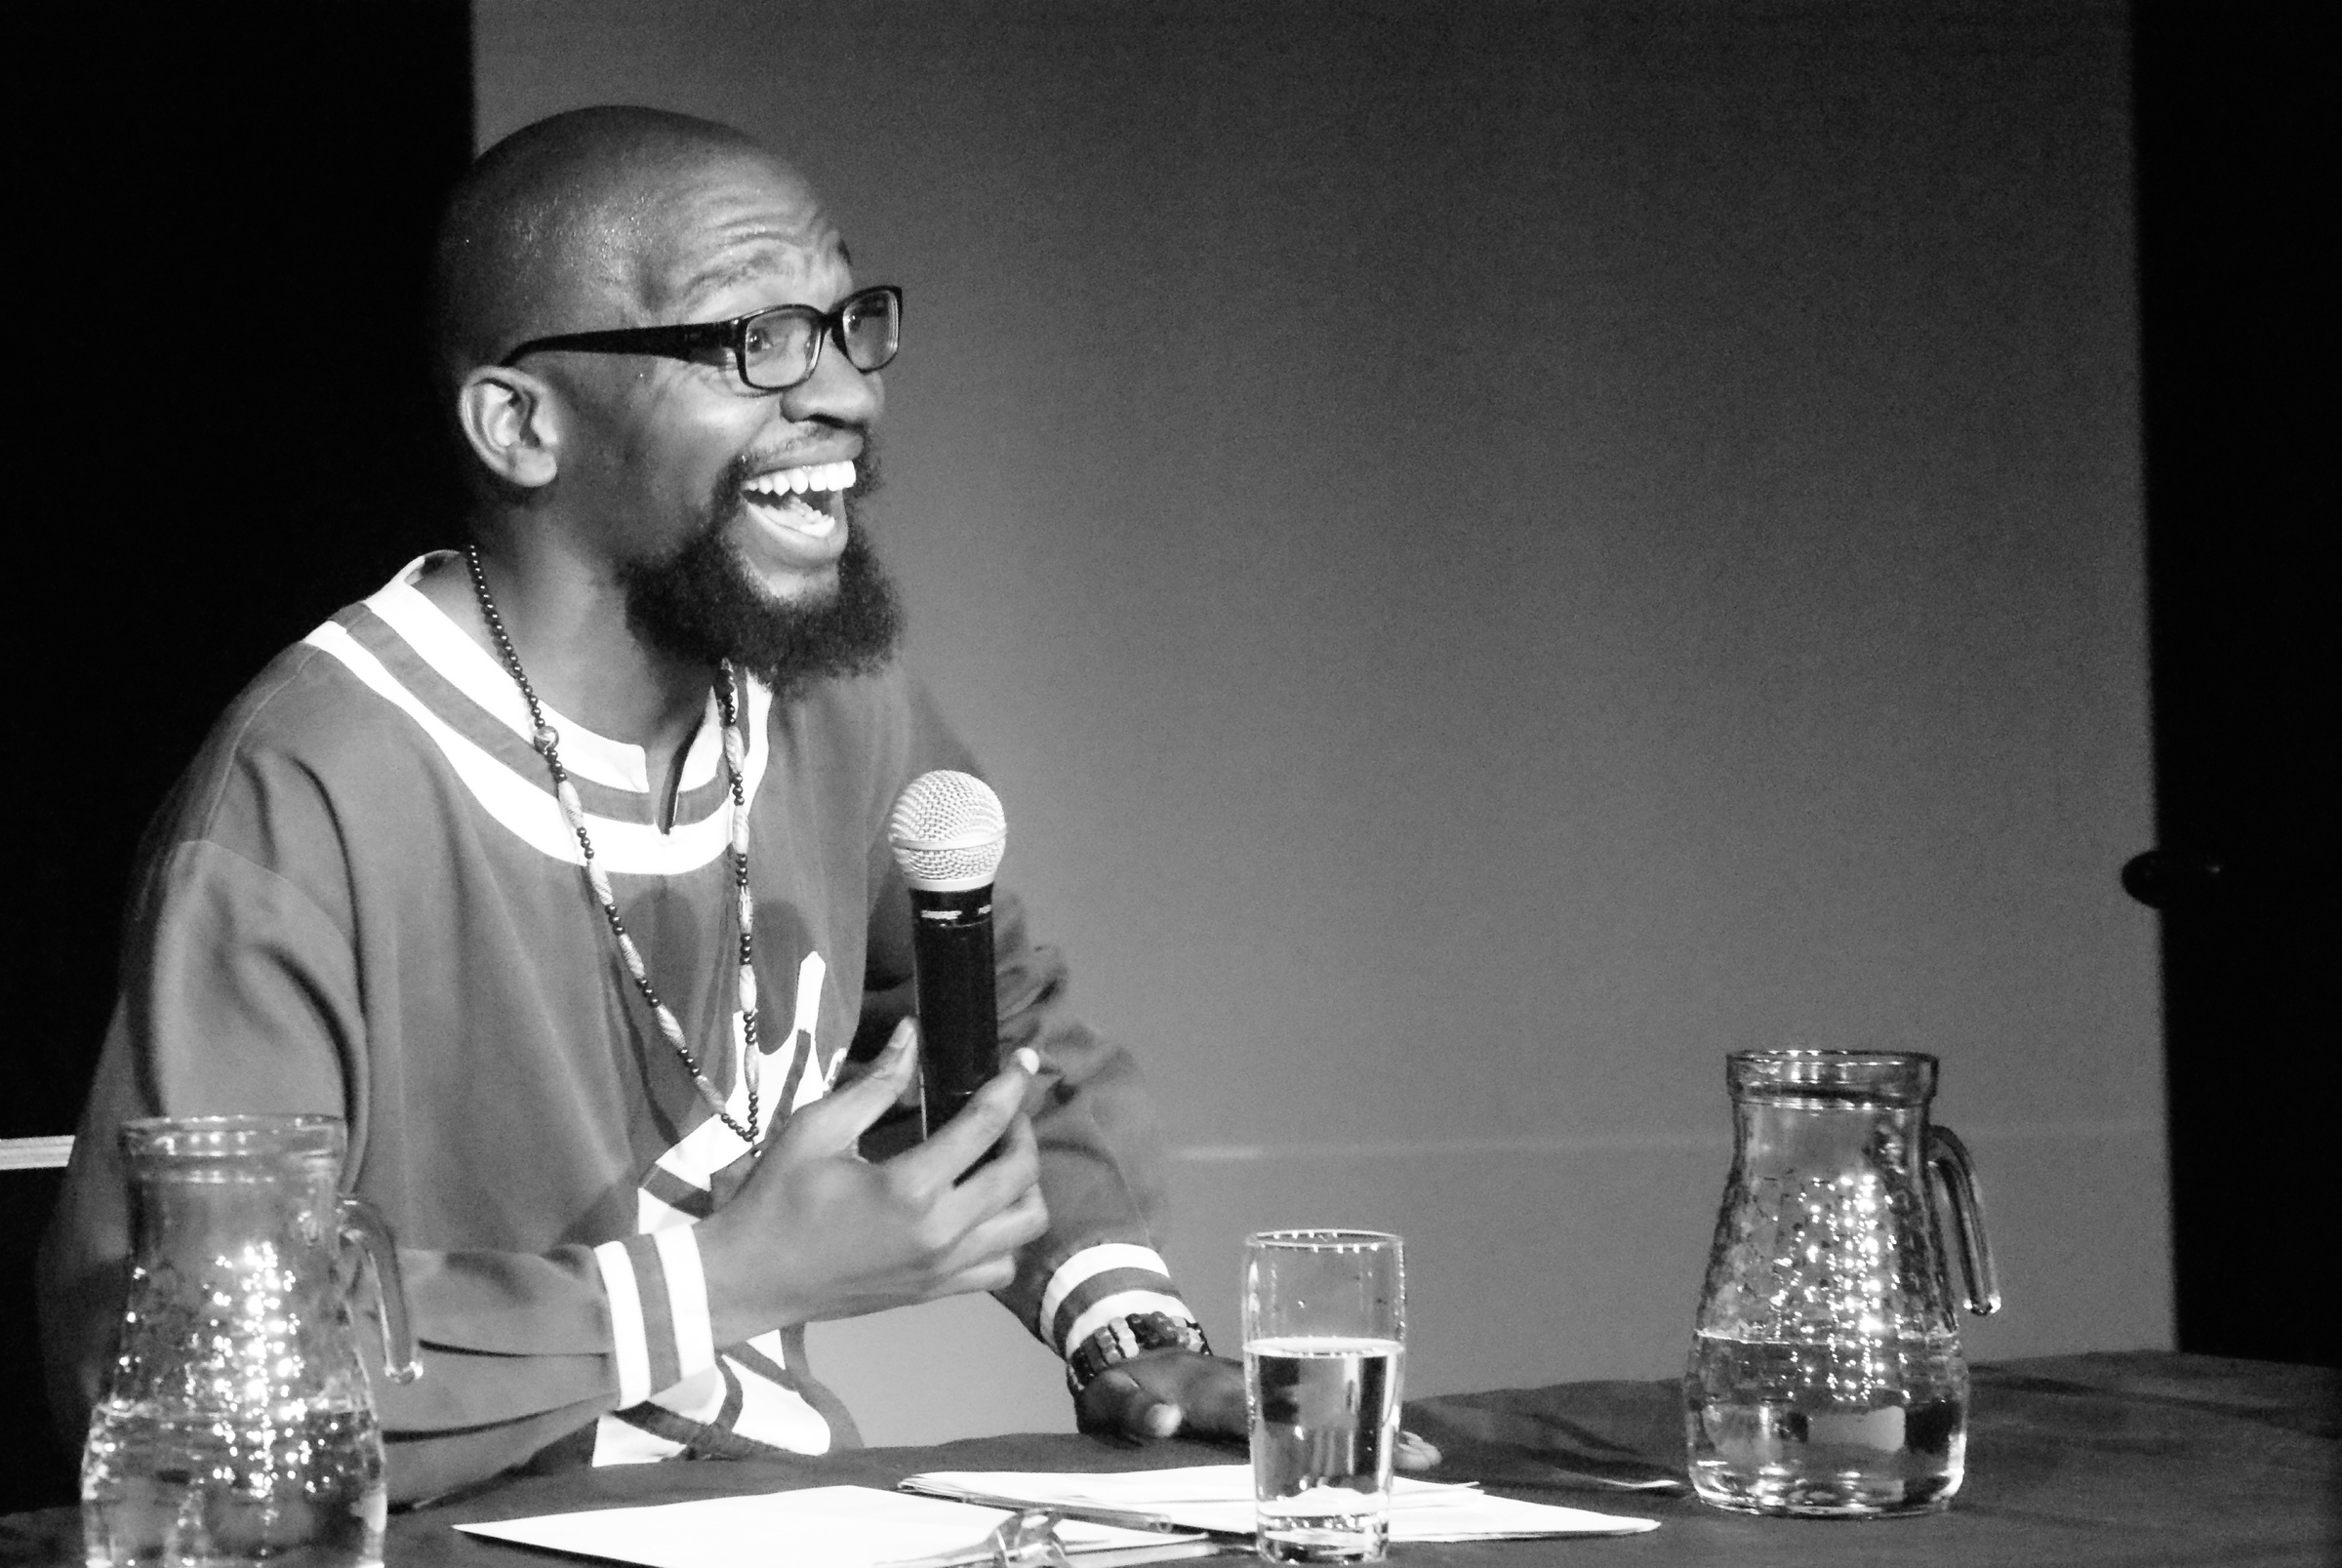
(948, 832)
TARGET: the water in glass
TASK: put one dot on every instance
(1326, 1414)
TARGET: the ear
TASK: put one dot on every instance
(507, 416)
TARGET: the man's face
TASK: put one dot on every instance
(726, 511)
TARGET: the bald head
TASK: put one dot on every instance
(567, 224)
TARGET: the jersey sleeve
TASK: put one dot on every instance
(1102, 1157)
(240, 996)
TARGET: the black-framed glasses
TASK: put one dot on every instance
(774, 349)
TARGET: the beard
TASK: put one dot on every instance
(702, 602)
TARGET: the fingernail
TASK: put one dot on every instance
(1030, 1061)
(905, 1034)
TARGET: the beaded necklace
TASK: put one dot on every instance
(547, 743)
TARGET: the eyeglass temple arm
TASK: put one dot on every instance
(681, 341)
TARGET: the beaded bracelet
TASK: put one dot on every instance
(1119, 1339)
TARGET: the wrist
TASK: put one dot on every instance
(747, 1280)
(1110, 1301)
(1128, 1337)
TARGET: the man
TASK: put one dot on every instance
(465, 868)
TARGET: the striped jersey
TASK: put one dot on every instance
(363, 899)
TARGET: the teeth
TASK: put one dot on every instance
(819, 476)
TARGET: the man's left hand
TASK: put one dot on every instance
(1164, 1393)
(1160, 1393)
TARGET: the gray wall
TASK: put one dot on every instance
(1498, 553)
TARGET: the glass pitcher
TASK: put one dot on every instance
(1825, 1375)
(237, 1427)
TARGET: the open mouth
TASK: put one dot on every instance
(810, 499)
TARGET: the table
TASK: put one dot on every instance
(2140, 1459)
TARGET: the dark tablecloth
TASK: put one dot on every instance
(2135, 1459)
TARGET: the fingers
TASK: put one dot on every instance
(1413, 1453)
(962, 1142)
(1027, 1213)
(999, 1208)
(1163, 1391)
(986, 1257)
(1013, 1169)
(1115, 1402)
(837, 1121)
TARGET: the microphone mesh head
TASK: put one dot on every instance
(947, 831)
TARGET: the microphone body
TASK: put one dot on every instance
(959, 1029)
(948, 833)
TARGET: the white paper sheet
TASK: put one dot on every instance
(1219, 1496)
(815, 1527)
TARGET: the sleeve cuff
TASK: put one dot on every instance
(1105, 1282)
(660, 1332)
(1108, 1303)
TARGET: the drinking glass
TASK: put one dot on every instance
(1325, 1320)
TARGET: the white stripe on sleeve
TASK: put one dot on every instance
(686, 1298)
(1123, 1303)
(1088, 1264)
(628, 1342)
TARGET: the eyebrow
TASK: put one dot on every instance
(724, 275)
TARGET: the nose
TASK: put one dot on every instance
(835, 394)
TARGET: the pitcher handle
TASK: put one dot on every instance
(362, 1223)
(1948, 1158)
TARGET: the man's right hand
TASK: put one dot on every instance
(816, 1232)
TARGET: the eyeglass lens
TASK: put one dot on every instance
(781, 343)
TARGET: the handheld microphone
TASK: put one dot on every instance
(948, 832)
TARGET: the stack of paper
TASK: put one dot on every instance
(1219, 1497)
(817, 1527)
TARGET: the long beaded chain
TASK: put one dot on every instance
(547, 743)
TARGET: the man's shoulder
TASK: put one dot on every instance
(350, 710)
(315, 704)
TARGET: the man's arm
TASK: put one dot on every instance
(241, 995)
(1097, 1275)
(1098, 1291)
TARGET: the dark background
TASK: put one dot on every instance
(2237, 273)
(223, 215)
(227, 211)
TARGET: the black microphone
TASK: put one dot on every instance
(949, 833)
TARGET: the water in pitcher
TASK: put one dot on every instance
(238, 1424)
(179, 1491)
(1824, 1376)
(1768, 1435)
(1326, 1416)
